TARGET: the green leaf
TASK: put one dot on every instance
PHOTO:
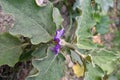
(93, 73)
(86, 44)
(104, 59)
(30, 20)
(40, 52)
(113, 78)
(97, 17)
(26, 56)
(75, 57)
(55, 70)
(103, 26)
(85, 23)
(105, 4)
(10, 49)
(116, 41)
(118, 5)
(57, 18)
(77, 4)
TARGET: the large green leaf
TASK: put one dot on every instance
(93, 72)
(105, 4)
(57, 18)
(103, 26)
(104, 59)
(85, 22)
(10, 49)
(30, 20)
(86, 44)
(41, 52)
(75, 57)
(47, 71)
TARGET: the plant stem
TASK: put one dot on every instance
(73, 48)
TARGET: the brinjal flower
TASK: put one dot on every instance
(57, 40)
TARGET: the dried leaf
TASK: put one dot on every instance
(78, 70)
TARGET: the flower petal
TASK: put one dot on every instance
(56, 49)
(57, 38)
(59, 33)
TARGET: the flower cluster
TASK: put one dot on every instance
(57, 39)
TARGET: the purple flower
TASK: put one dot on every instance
(59, 34)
